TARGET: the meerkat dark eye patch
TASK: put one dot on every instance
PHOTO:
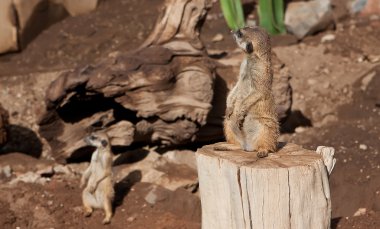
(104, 143)
(248, 47)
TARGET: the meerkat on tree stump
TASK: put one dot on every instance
(97, 178)
(251, 118)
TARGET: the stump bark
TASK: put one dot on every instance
(288, 189)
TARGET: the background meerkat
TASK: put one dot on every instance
(251, 118)
(97, 178)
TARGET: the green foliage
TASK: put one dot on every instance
(271, 15)
(233, 13)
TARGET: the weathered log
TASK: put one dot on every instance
(162, 91)
(288, 189)
(3, 125)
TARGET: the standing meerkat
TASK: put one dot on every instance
(251, 118)
(97, 178)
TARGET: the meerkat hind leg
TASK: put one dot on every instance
(107, 211)
(87, 199)
(231, 138)
(265, 143)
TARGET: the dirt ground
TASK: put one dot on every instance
(336, 102)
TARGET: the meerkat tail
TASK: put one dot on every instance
(222, 148)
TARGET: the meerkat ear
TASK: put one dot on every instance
(104, 143)
(248, 47)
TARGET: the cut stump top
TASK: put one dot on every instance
(288, 155)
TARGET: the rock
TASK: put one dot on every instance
(8, 28)
(356, 6)
(156, 194)
(366, 80)
(185, 157)
(363, 147)
(217, 37)
(327, 38)
(29, 177)
(7, 171)
(3, 121)
(75, 7)
(78, 168)
(156, 169)
(364, 7)
(360, 211)
(61, 169)
(21, 21)
(181, 203)
(304, 18)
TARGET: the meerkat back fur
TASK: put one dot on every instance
(97, 179)
(251, 118)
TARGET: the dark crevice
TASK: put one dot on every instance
(81, 155)
(295, 119)
(84, 104)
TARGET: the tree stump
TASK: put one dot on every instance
(288, 189)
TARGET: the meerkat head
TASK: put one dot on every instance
(99, 140)
(252, 40)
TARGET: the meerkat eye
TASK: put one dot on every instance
(104, 143)
(238, 33)
(92, 138)
(248, 47)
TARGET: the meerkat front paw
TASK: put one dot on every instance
(262, 154)
(240, 120)
(91, 189)
(229, 111)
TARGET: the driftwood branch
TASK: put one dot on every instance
(160, 93)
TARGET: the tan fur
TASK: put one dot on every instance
(251, 119)
(97, 178)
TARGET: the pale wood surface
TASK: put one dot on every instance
(288, 189)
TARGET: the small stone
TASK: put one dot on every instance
(217, 37)
(61, 169)
(363, 147)
(151, 197)
(360, 211)
(7, 171)
(328, 38)
(130, 219)
(50, 202)
(300, 129)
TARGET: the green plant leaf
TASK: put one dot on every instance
(233, 13)
(271, 15)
